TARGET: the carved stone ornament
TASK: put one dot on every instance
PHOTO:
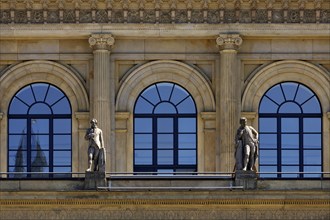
(101, 41)
(229, 41)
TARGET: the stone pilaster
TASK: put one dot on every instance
(122, 147)
(103, 92)
(79, 156)
(209, 129)
(3, 155)
(228, 99)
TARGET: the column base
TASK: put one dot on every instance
(93, 180)
(247, 179)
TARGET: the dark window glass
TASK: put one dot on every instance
(18, 107)
(143, 106)
(276, 94)
(165, 125)
(187, 141)
(165, 108)
(62, 142)
(312, 124)
(289, 107)
(62, 126)
(268, 124)
(268, 106)
(312, 171)
(151, 94)
(290, 90)
(311, 106)
(290, 132)
(268, 141)
(290, 124)
(303, 94)
(143, 157)
(40, 91)
(17, 126)
(165, 90)
(165, 128)
(61, 107)
(187, 157)
(178, 95)
(143, 141)
(26, 95)
(53, 95)
(312, 141)
(185, 106)
(39, 132)
(267, 157)
(268, 171)
(143, 124)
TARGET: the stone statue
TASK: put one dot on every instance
(246, 152)
(96, 150)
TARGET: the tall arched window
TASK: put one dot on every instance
(290, 127)
(39, 132)
(165, 127)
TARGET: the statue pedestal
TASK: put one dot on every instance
(95, 179)
(247, 179)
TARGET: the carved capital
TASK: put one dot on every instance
(229, 41)
(101, 41)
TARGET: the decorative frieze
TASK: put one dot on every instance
(164, 11)
(164, 209)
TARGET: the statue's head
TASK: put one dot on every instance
(243, 121)
(93, 123)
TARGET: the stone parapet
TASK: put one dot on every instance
(165, 205)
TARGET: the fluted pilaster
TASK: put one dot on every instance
(103, 91)
(228, 99)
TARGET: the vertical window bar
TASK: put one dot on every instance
(279, 147)
(176, 142)
(295, 94)
(283, 92)
(51, 146)
(46, 93)
(34, 96)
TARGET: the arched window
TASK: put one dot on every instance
(39, 132)
(290, 127)
(165, 127)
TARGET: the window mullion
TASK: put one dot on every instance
(154, 144)
(28, 146)
(51, 146)
(279, 146)
(176, 142)
(301, 146)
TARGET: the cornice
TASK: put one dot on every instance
(219, 202)
(164, 11)
(83, 31)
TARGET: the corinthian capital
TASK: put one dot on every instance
(229, 41)
(101, 41)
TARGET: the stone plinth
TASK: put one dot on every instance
(247, 179)
(94, 180)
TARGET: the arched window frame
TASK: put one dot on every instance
(52, 130)
(302, 131)
(154, 119)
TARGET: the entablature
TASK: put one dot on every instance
(164, 11)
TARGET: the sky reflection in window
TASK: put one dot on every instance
(39, 132)
(165, 129)
(290, 131)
